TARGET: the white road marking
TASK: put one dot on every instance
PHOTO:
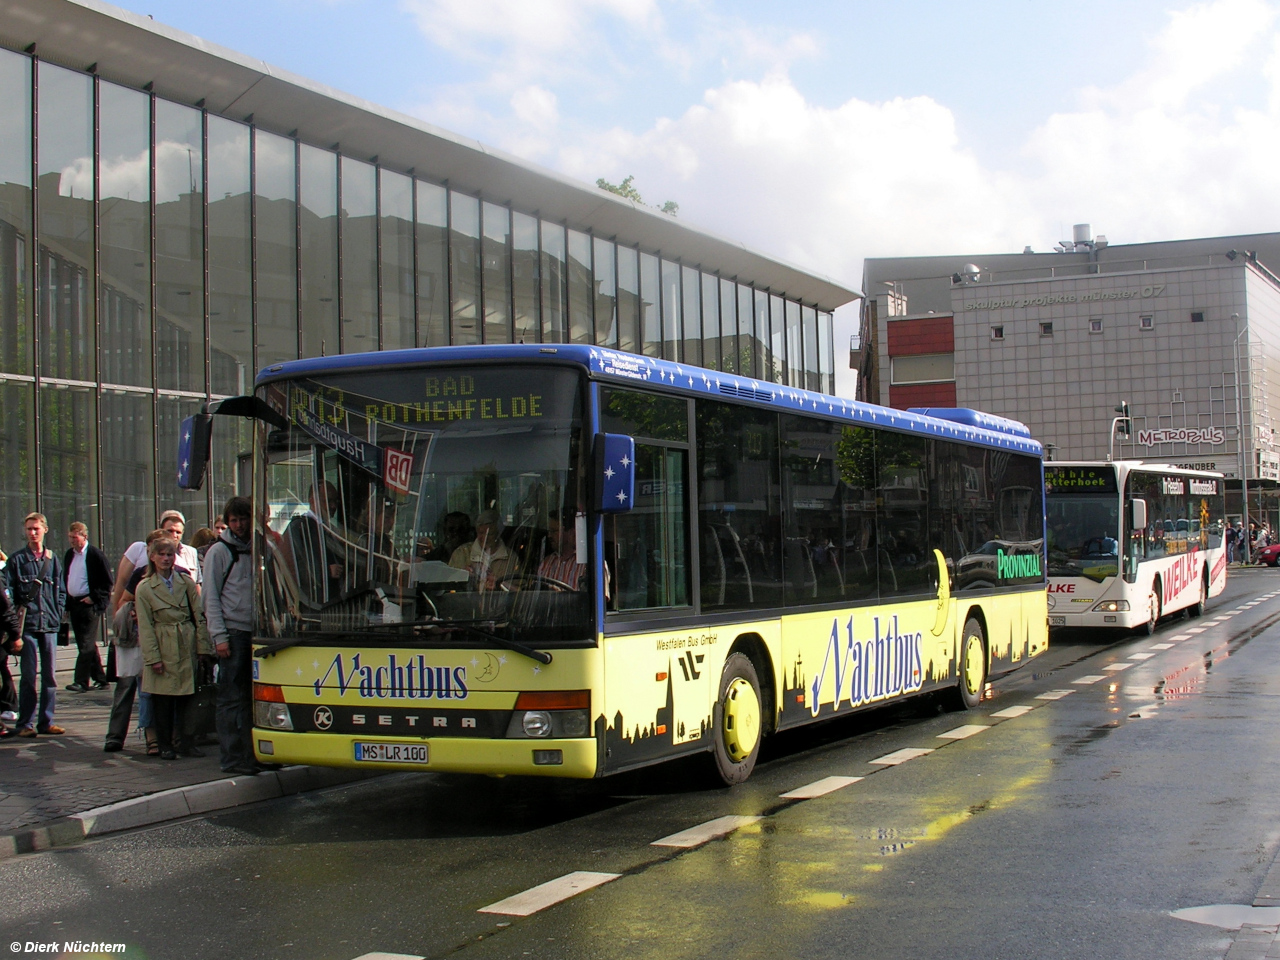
(1117, 667)
(1220, 620)
(900, 756)
(389, 956)
(1180, 637)
(696, 836)
(547, 894)
(1010, 712)
(819, 788)
(1194, 630)
(961, 733)
(1141, 656)
(1161, 646)
(1091, 678)
(1054, 694)
(1236, 610)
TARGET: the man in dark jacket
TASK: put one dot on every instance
(88, 582)
(10, 641)
(228, 609)
(33, 577)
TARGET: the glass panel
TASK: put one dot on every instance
(68, 457)
(581, 325)
(231, 460)
(230, 259)
(923, 368)
(496, 247)
(711, 322)
(606, 309)
(729, 360)
(179, 305)
(433, 265)
(795, 345)
(170, 412)
(397, 260)
(67, 340)
(553, 283)
(15, 219)
(650, 303)
(747, 348)
(17, 466)
(814, 541)
(856, 542)
(777, 339)
(275, 177)
(649, 545)
(628, 300)
(318, 221)
(124, 238)
(128, 499)
(524, 269)
(764, 355)
(359, 256)
(905, 559)
(671, 326)
(826, 365)
(464, 267)
(644, 415)
(691, 292)
(740, 506)
(985, 505)
(809, 323)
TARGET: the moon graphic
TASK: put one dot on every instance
(944, 595)
(490, 670)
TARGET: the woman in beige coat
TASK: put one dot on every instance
(172, 635)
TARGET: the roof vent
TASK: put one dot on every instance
(746, 393)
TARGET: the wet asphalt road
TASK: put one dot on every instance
(1069, 831)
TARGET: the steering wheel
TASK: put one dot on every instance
(518, 581)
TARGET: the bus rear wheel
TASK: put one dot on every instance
(971, 665)
(739, 720)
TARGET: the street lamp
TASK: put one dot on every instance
(1240, 453)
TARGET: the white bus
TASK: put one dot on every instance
(1130, 542)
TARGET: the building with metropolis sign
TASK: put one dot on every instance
(175, 216)
(1186, 332)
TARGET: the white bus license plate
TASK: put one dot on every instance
(392, 752)
(1057, 621)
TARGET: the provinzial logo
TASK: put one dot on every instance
(1209, 435)
(1012, 566)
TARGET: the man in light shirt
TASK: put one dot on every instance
(188, 560)
(88, 582)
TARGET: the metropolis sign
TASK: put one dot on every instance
(1213, 436)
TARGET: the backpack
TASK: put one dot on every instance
(236, 553)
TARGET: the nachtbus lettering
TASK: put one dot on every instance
(1013, 566)
(1184, 572)
(414, 680)
(888, 664)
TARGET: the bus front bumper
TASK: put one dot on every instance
(525, 757)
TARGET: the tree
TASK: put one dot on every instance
(627, 191)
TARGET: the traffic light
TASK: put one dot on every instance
(1124, 426)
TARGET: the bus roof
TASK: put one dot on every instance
(630, 368)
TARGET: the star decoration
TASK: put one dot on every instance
(608, 472)
(622, 497)
(626, 461)
(536, 671)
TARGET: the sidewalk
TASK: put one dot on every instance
(57, 790)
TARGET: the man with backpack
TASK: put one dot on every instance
(33, 577)
(228, 610)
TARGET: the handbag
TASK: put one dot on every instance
(125, 626)
(202, 708)
(64, 630)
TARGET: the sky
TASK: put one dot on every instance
(823, 132)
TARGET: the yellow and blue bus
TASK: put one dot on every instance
(569, 561)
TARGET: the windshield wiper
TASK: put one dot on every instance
(441, 625)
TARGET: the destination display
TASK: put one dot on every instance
(1078, 479)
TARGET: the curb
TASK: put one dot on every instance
(174, 804)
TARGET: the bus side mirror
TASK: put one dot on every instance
(193, 450)
(615, 457)
(1137, 514)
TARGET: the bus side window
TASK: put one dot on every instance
(652, 541)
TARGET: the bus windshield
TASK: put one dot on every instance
(425, 507)
(1084, 530)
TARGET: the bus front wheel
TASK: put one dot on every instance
(1197, 609)
(971, 665)
(739, 720)
(1153, 609)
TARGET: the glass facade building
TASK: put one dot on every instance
(154, 254)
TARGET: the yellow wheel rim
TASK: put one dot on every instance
(973, 664)
(741, 724)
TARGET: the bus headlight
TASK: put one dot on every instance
(1112, 606)
(274, 716)
(536, 723)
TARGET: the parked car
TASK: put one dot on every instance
(1270, 554)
